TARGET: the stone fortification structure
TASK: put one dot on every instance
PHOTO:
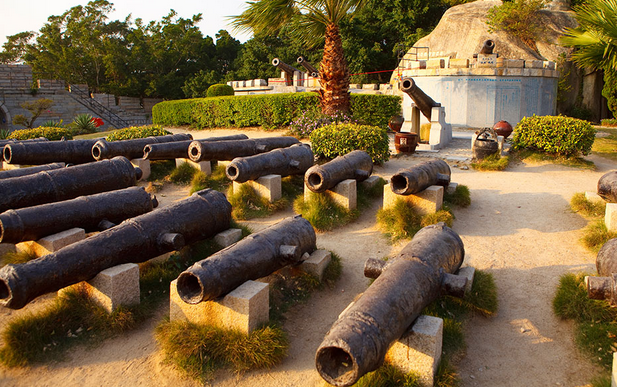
(17, 86)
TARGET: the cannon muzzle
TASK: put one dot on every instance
(256, 256)
(132, 149)
(358, 341)
(607, 187)
(420, 176)
(422, 101)
(487, 47)
(356, 165)
(284, 66)
(293, 160)
(309, 67)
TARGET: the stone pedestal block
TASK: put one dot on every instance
(593, 197)
(244, 309)
(469, 273)
(52, 243)
(317, 263)
(344, 193)
(113, 287)
(426, 202)
(228, 237)
(369, 183)
(610, 216)
(144, 165)
(419, 350)
(202, 166)
(268, 187)
(452, 187)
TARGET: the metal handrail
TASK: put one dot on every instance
(102, 110)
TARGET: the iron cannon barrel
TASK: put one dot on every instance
(13, 141)
(67, 183)
(422, 101)
(309, 67)
(420, 176)
(86, 212)
(358, 341)
(487, 47)
(356, 165)
(283, 66)
(607, 187)
(180, 149)
(132, 149)
(45, 152)
(229, 150)
(29, 170)
(256, 256)
(293, 160)
(200, 216)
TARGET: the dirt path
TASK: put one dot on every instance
(519, 228)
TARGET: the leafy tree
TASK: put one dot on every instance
(310, 20)
(36, 108)
(596, 41)
(197, 86)
(16, 47)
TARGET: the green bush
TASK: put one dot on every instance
(137, 132)
(52, 134)
(267, 110)
(219, 90)
(562, 136)
(339, 139)
(520, 18)
(609, 122)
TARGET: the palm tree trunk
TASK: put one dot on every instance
(334, 74)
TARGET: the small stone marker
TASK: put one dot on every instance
(228, 237)
(52, 243)
(610, 216)
(268, 187)
(202, 166)
(344, 193)
(317, 263)
(428, 201)
(593, 197)
(469, 273)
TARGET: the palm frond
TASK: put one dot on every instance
(267, 16)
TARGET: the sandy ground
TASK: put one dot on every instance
(519, 228)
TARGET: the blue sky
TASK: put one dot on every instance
(31, 15)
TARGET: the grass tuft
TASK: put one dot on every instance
(460, 197)
(595, 235)
(541, 157)
(217, 180)
(248, 204)
(493, 162)
(17, 257)
(389, 376)
(580, 204)
(402, 221)
(183, 174)
(159, 169)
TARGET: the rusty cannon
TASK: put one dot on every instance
(487, 47)
(67, 183)
(279, 64)
(200, 216)
(607, 187)
(422, 101)
(13, 141)
(132, 149)
(309, 67)
(358, 341)
(354, 165)
(287, 242)
(420, 176)
(604, 287)
(92, 213)
(229, 150)
(29, 170)
(45, 152)
(180, 149)
(294, 160)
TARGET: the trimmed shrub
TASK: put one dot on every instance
(339, 139)
(52, 134)
(219, 90)
(557, 135)
(609, 122)
(137, 132)
(267, 110)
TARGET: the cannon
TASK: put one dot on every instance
(13, 141)
(67, 183)
(258, 255)
(356, 165)
(487, 47)
(422, 101)
(229, 150)
(45, 152)
(29, 171)
(284, 66)
(92, 213)
(604, 287)
(180, 149)
(132, 149)
(309, 67)
(607, 187)
(293, 160)
(420, 176)
(358, 341)
(200, 216)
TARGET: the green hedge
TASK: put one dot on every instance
(558, 135)
(267, 110)
(339, 139)
(219, 90)
(137, 132)
(50, 133)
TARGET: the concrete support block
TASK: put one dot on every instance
(355, 85)
(426, 202)
(317, 263)
(268, 187)
(419, 350)
(369, 183)
(469, 273)
(534, 64)
(593, 197)
(452, 187)
(244, 309)
(610, 216)
(113, 287)
(344, 193)
(202, 166)
(459, 63)
(370, 86)
(435, 64)
(52, 243)
(144, 165)
(228, 237)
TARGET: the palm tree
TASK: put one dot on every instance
(309, 20)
